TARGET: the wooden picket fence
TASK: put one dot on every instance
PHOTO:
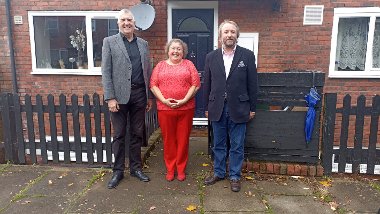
(68, 131)
(364, 155)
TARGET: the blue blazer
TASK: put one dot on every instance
(239, 89)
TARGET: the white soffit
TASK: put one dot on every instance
(313, 15)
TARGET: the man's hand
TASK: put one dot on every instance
(206, 114)
(252, 115)
(113, 106)
(149, 105)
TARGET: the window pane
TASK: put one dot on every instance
(54, 47)
(193, 24)
(352, 44)
(104, 28)
(376, 45)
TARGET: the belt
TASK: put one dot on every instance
(137, 86)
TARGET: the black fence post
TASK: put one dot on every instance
(328, 132)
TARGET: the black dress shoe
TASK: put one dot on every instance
(212, 180)
(115, 180)
(140, 175)
(235, 185)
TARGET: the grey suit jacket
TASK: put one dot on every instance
(117, 68)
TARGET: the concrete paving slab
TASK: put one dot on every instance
(283, 186)
(355, 195)
(58, 189)
(220, 199)
(13, 179)
(296, 204)
(156, 196)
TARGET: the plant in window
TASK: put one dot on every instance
(78, 41)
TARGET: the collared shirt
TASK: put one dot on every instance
(227, 59)
(135, 57)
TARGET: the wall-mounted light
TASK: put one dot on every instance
(276, 6)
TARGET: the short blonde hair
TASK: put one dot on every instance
(227, 21)
(183, 44)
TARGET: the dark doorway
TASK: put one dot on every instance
(196, 28)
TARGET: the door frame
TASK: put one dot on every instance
(193, 5)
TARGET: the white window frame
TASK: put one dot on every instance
(369, 72)
(89, 15)
(251, 42)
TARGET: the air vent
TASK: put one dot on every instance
(313, 15)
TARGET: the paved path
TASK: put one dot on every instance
(51, 189)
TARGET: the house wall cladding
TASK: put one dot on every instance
(284, 42)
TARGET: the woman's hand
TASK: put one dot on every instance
(170, 102)
(179, 103)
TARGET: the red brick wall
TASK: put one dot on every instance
(284, 43)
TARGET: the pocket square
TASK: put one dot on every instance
(241, 64)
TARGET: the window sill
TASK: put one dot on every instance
(349, 74)
(80, 72)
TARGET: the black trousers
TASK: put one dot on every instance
(136, 109)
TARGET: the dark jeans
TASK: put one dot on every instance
(136, 109)
(236, 131)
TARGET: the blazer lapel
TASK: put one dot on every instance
(119, 41)
(142, 52)
(235, 60)
(220, 62)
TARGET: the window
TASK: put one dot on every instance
(355, 45)
(251, 42)
(69, 42)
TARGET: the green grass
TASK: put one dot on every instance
(4, 167)
(201, 190)
(23, 192)
(374, 185)
(90, 183)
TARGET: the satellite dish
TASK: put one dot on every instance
(144, 15)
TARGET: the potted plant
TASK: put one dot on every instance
(78, 41)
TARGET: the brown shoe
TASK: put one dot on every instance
(212, 180)
(235, 185)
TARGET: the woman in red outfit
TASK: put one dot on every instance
(174, 82)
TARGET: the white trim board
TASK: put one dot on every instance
(193, 5)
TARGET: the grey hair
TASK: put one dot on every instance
(227, 21)
(183, 44)
(124, 11)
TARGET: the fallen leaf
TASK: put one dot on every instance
(50, 182)
(248, 178)
(325, 183)
(306, 188)
(70, 184)
(60, 177)
(191, 208)
(205, 164)
(152, 208)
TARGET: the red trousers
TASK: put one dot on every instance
(176, 127)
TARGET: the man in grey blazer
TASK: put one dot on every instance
(230, 87)
(126, 71)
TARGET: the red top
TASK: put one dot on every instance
(174, 81)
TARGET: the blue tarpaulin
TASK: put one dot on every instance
(312, 99)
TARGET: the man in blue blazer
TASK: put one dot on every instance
(230, 86)
(126, 71)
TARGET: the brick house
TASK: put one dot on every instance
(338, 37)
